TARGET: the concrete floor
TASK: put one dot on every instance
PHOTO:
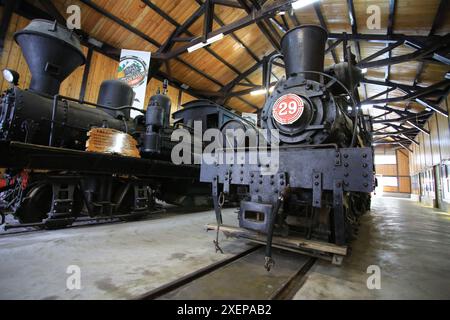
(117, 261)
(409, 243)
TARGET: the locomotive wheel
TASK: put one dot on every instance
(35, 205)
(126, 208)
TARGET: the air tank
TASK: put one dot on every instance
(116, 94)
(161, 99)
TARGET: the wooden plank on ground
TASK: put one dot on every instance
(291, 242)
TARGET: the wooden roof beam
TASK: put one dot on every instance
(388, 48)
(256, 5)
(250, 52)
(31, 12)
(139, 33)
(247, 91)
(285, 22)
(324, 25)
(332, 46)
(228, 3)
(183, 29)
(10, 6)
(352, 18)
(421, 93)
(120, 22)
(404, 118)
(265, 12)
(382, 38)
(233, 35)
(399, 112)
(53, 11)
(208, 19)
(294, 17)
(403, 87)
(262, 27)
(256, 16)
(437, 22)
(229, 86)
(396, 132)
(278, 25)
(418, 54)
(390, 28)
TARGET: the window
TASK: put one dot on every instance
(385, 159)
(390, 181)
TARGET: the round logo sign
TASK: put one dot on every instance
(132, 70)
(288, 108)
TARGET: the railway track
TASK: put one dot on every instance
(12, 229)
(240, 277)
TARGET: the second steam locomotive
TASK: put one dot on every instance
(49, 179)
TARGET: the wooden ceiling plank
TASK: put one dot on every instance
(8, 10)
(352, 18)
(256, 5)
(388, 48)
(31, 12)
(146, 37)
(255, 16)
(262, 27)
(122, 23)
(437, 22)
(233, 35)
(285, 22)
(228, 3)
(324, 25)
(180, 30)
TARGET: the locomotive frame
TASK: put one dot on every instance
(330, 173)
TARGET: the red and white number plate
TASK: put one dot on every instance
(288, 108)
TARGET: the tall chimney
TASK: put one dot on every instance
(303, 49)
(52, 53)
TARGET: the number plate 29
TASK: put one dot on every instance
(288, 108)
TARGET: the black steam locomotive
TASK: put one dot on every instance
(49, 179)
(311, 196)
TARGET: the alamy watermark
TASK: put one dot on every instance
(373, 22)
(232, 146)
(374, 280)
(73, 21)
(73, 281)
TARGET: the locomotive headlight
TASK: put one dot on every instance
(11, 76)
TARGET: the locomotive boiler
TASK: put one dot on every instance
(309, 194)
(48, 179)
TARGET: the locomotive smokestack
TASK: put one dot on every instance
(52, 52)
(303, 49)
